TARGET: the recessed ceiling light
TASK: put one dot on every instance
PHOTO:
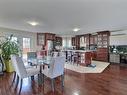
(76, 29)
(33, 23)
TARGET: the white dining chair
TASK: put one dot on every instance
(21, 71)
(56, 69)
(55, 54)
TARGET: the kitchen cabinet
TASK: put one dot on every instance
(73, 41)
(94, 55)
(40, 39)
(49, 36)
(102, 54)
(58, 41)
(93, 39)
(103, 46)
(103, 39)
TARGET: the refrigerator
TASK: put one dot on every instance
(49, 46)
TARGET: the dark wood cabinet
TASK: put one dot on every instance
(49, 36)
(81, 41)
(40, 39)
(43, 37)
(58, 41)
(87, 37)
(94, 55)
(102, 54)
(73, 41)
(103, 39)
(77, 42)
(93, 39)
(99, 43)
(103, 46)
(85, 58)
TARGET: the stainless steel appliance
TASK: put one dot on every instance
(49, 47)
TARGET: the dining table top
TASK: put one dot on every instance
(41, 61)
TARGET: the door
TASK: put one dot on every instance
(26, 47)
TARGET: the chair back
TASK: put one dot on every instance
(18, 66)
(31, 55)
(62, 54)
(55, 54)
(57, 66)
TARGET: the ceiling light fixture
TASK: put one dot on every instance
(33, 23)
(76, 29)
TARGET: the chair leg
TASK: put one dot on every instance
(20, 85)
(32, 78)
(14, 76)
(62, 81)
(43, 78)
(52, 85)
(17, 81)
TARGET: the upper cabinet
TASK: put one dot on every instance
(49, 36)
(76, 41)
(73, 41)
(103, 39)
(85, 41)
(93, 39)
(43, 37)
(40, 39)
(58, 41)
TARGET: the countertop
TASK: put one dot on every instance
(80, 50)
(119, 53)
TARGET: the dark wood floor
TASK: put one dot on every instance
(113, 81)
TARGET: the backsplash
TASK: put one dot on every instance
(118, 49)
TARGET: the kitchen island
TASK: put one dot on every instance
(82, 57)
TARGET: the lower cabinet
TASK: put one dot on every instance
(102, 54)
(123, 58)
(114, 58)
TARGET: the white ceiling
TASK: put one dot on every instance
(61, 16)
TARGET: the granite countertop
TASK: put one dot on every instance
(118, 53)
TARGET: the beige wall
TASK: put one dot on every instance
(20, 34)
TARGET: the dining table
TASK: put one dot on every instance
(41, 62)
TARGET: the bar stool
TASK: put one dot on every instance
(69, 56)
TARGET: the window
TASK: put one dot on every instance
(26, 47)
(26, 43)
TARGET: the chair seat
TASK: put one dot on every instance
(33, 71)
(46, 73)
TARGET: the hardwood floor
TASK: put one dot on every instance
(113, 81)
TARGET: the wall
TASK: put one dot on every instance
(20, 34)
(118, 40)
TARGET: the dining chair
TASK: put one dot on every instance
(21, 71)
(31, 56)
(55, 54)
(29, 65)
(56, 69)
(1, 65)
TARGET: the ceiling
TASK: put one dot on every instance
(61, 16)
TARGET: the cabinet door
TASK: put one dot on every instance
(40, 39)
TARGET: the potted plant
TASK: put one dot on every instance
(9, 47)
